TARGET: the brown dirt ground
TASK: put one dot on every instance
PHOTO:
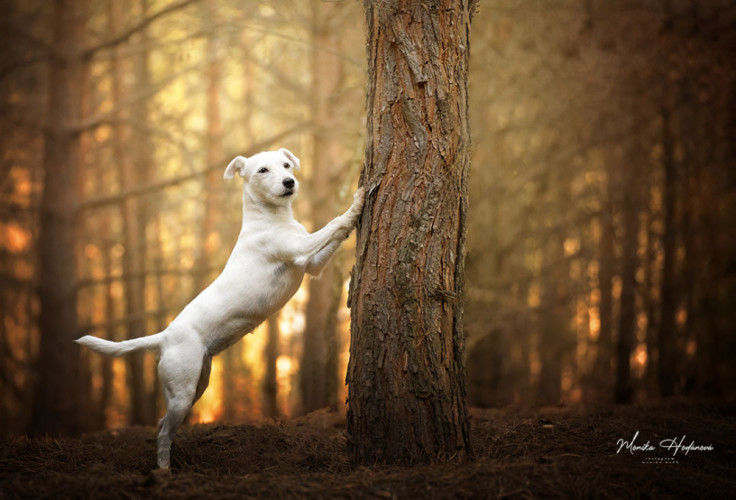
(557, 453)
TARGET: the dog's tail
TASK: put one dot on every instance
(115, 349)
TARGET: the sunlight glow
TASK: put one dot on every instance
(213, 242)
(639, 360)
(206, 415)
(283, 367)
(115, 414)
(572, 246)
(534, 298)
(692, 348)
(16, 238)
(641, 354)
(209, 408)
(594, 323)
(681, 316)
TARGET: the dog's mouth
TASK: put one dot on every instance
(287, 193)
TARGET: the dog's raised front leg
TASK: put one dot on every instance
(317, 263)
(304, 249)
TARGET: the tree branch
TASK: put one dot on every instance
(156, 273)
(142, 24)
(102, 201)
(38, 58)
(109, 117)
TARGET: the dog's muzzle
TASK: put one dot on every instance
(289, 185)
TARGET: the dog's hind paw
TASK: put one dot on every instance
(158, 476)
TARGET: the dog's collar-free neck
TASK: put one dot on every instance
(265, 209)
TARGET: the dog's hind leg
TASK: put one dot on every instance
(204, 377)
(180, 378)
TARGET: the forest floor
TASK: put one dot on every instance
(559, 453)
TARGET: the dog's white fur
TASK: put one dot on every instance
(265, 269)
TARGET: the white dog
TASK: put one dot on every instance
(265, 269)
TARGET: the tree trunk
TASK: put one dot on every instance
(106, 394)
(406, 375)
(624, 390)
(666, 366)
(207, 240)
(602, 376)
(318, 372)
(59, 405)
(213, 178)
(650, 304)
(134, 172)
(270, 382)
(553, 329)
(712, 352)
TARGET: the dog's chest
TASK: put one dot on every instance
(284, 281)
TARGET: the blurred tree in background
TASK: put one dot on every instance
(600, 262)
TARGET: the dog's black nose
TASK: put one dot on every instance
(288, 183)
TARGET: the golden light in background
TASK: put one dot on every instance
(284, 373)
(594, 313)
(534, 297)
(639, 360)
(23, 185)
(582, 329)
(209, 407)
(103, 133)
(616, 286)
(213, 242)
(642, 321)
(681, 317)
(572, 246)
(91, 251)
(116, 412)
(16, 238)
(594, 323)
(641, 354)
(535, 365)
(692, 348)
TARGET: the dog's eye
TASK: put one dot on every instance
(286, 165)
(262, 170)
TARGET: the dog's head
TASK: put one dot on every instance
(269, 176)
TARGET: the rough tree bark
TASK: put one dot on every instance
(406, 375)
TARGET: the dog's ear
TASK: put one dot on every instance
(292, 157)
(238, 164)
